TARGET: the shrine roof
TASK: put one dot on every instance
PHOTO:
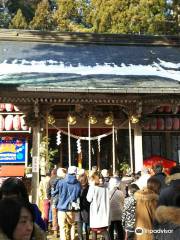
(70, 65)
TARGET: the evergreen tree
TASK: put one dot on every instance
(43, 17)
(5, 19)
(27, 8)
(67, 15)
(133, 16)
(176, 15)
(18, 21)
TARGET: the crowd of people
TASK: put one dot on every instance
(77, 204)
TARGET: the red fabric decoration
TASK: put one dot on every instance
(154, 160)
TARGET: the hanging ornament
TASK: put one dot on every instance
(116, 137)
(99, 144)
(79, 146)
(51, 119)
(58, 138)
(93, 151)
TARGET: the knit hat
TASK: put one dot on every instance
(114, 182)
(72, 170)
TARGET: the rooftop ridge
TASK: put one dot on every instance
(91, 38)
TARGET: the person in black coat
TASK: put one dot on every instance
(84, 208)
(159, 174)
(167, 225)
(172, 181)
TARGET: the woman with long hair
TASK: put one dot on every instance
(84, 207)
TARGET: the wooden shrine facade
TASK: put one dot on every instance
(48, 74)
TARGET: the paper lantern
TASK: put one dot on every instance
(146, 124)
(2, 107)
(160, 109)
(1, 123)
(9, 122)
(167, 109)
(16, 108)
(160, 123)
(24, 127)
(153, 124)
(16, 123)
(176, 123)
(9, 107)
(168, 123)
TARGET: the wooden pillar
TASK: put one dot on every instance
(35, 153)
(138, 149)
(35, 162)
(113, 150)
(130, 147)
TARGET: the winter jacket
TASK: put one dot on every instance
(84, 205)
(116, 198)
(128, 216)
(98, 196)
(43, 188)
(38, 234)
(142, 181)
(38, 218)
(168, 223)
(161, 177)
(68, 190)
(146, 204)
(165, 197)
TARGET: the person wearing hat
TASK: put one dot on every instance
(68, 190)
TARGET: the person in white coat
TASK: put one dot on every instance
(98, 196)
(116, 198)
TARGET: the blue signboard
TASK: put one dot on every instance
(13, 150)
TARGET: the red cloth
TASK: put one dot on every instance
(166, 163)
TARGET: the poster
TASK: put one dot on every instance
(13, 150)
